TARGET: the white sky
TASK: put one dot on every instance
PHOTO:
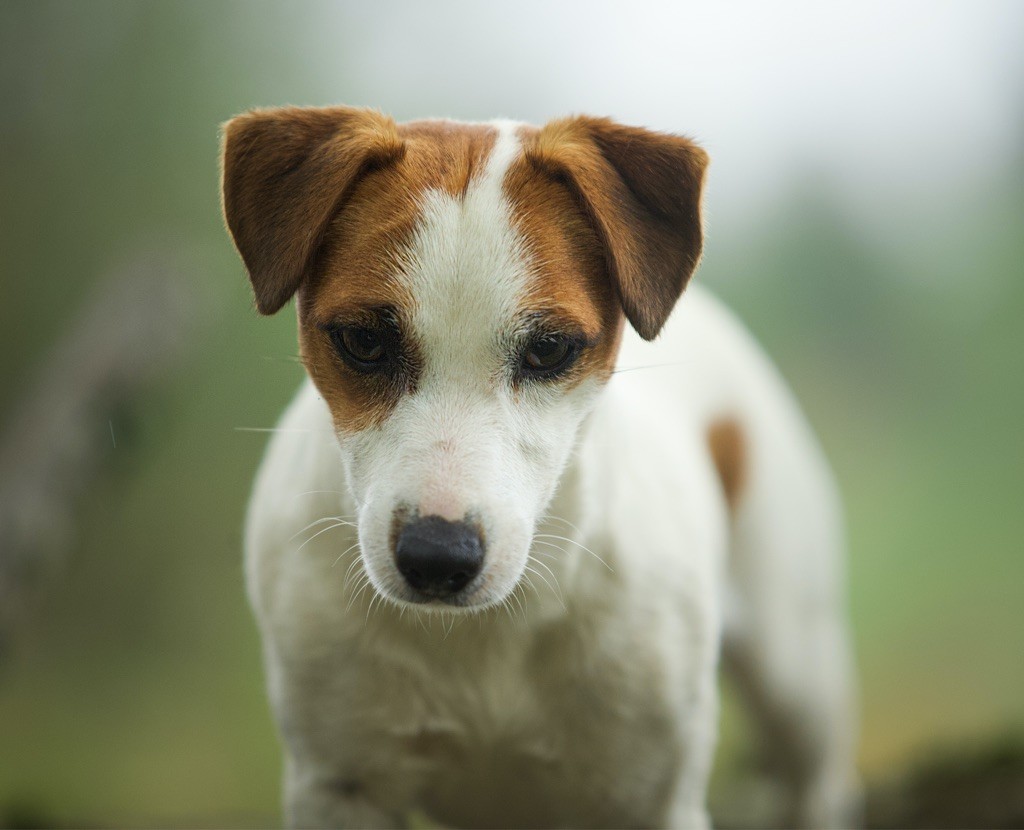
(900, 103)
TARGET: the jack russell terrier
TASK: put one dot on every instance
(502, 538)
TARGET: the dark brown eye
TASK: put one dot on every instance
(363, 346)
(549, 354)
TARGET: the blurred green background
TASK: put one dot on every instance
(866, 219)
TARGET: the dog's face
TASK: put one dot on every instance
(461, 295)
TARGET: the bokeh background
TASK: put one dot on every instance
(866, 218)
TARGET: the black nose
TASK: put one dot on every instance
(438, 557)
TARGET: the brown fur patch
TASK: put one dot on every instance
(357, 400)
(286, 172)
(355, 270)
(570, 283)
(445, 154)
(641, 192)
(729, 452)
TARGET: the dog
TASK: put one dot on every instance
(517, 515)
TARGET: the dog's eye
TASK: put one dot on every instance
(549, 354)
(364, 347)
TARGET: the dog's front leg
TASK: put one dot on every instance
(688, 808)
(315, 800)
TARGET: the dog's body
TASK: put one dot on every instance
(627, 515)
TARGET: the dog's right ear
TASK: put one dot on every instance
(286, 173)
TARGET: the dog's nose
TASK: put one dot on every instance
(438, 557)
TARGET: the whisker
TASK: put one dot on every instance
(291, 358)
(546, 553)
(528, 581)
(515, 595)
(650, 366)
(545, 567)
(512, 611)
(559, 548)
(578, 544)
(318, 533)
(558, 594)
(316, 522)
(353, 592)
(363, 585)
(369, 608)
(550, 517)
(554, 578)
(351, 567)
(349, 549)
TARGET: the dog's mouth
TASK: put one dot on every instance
(470, 600)
(476, 596)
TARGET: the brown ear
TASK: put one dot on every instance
(286, 172)
(642, 192)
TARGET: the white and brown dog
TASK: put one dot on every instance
(494, 569)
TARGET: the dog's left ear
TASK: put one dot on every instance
(642, 193)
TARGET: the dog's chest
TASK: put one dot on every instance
(527, 731)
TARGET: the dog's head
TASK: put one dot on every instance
(461, 292)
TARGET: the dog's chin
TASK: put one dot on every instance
(470, 601)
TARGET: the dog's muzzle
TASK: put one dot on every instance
(437, 557)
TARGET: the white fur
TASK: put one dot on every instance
(582, 692)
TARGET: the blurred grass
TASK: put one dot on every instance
(139, 691)
(136, 696)
(918, 409)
